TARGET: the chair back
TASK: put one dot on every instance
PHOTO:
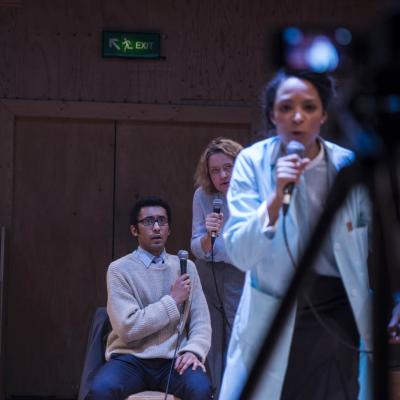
(95, 350)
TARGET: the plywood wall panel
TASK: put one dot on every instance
(60, 158)
(61, 244)
(160, 159)
(215, 52)
(6, 165)
(8, 51)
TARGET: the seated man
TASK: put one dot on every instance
(149, 303)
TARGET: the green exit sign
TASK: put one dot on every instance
(131, 45)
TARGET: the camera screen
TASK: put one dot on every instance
(317, 50)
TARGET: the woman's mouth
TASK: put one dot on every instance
(224, 185)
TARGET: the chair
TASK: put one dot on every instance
(151, 396)
(95, 349)
(94, 358)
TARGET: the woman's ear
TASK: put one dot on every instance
(271, 117)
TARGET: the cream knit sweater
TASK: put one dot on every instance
(145, 318)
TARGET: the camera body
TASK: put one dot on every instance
(370, 61)
(314, 48)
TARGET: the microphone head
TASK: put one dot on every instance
(295, 147)
(183, 254)
(217, 204)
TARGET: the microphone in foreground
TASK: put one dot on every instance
(293, 147)
(217, 204)
(183, 257)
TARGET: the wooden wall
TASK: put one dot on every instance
(77, 168)
(81, 137)
(216, 52)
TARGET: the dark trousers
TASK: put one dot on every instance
(126, 374)
(230, 282)
(322, 366)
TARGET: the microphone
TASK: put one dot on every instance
(183, 257)
(217, 204)
(293, 147)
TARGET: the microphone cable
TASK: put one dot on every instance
(178, 342)
(183, 256)
(309, 302)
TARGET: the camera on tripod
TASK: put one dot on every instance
(313, 48)
(369, 61)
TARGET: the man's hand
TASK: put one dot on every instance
(185, 360)
(394, 325)
(180, 289)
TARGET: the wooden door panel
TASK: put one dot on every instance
(61, 243)
(161, 159)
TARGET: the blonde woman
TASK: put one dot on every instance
(222, 282)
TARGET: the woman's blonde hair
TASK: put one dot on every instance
(219, 145)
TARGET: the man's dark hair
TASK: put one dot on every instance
(149, 201)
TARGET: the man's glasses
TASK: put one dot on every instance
(150, 221)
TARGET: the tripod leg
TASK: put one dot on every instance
(385, 257)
